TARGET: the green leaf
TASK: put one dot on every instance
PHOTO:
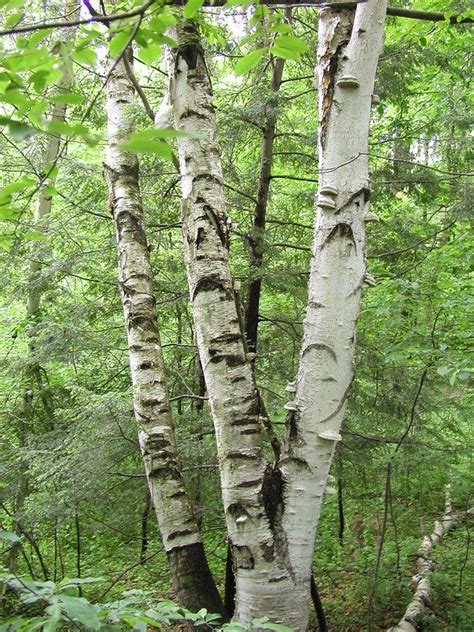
(80, 610)
(285, 53)
(55, 614)
(150, 53)
(70, 98)
(85, 56)
(277, 627)
(6, 241)
(291, 42)
(442, 370)
(80, 581)
(143, 146)
(249, 61)
(20, 131)
(119, 42)
(35, 235)
(14, 187)
(191, 8)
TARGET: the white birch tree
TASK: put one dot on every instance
(189, 569)
(272, 511)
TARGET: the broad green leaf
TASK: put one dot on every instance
(54, 612)
(64, 129)
(20, 131)
(80, 610)
(191, 8)
(149, 54)
(14, 187)
(119, 42)
(442, 370)
(292, 43)
(281, 27)
(143, 146)
(248, 62)
(85, 56)
(13, 19)
(6, 241)
(70, 98)
(79, 581)
(285, 53)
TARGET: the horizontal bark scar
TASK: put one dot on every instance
(363, 192)
(211, 283)
(320, 346)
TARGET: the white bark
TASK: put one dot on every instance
(250, 490)
(422, 598)
(350, 42)
(272, 513)
(178, 527)
(151, 403)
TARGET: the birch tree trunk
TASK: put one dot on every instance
(191, 576)
(249, 485)
(350, 42)
(272, 512)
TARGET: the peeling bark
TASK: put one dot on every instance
(190, 572)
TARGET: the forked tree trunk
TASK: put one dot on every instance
(272, 512)
(189, 569)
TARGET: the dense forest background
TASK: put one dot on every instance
(73, 496)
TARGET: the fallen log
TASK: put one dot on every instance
(422, 597)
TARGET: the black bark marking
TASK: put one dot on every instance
(364, 192)
(178, 494)
(268, 551)
(272, 494)
(236, 509)
(249, 483)
(179, 533)
(201, 235)
(297, 461)
(147, 364)
(291, 424)
(345, 395)
(240, 455)
(243, 556)
(342, 229)
(250, 431)
(211, 283)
